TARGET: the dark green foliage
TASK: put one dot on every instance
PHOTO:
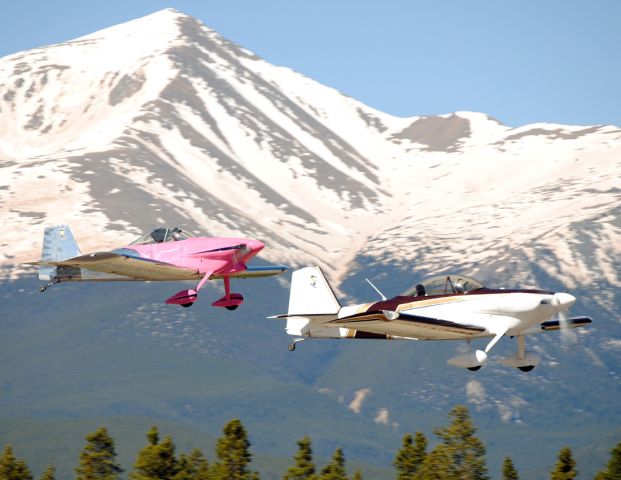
(437, 465)
(98, 458)
(461, 455)
(410, 457)
(613, 467)
(157, 460)
(233, 453)
(508, 470)
(12, 468)
(192, 467)
(50, 473)
(357, 475)
(335, 470)
(304, 467)
(565, 468)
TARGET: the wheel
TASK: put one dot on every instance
(186, 305)
(474, 369)
(42, 288)
(232, 307)
(291, 347)
(526, 368)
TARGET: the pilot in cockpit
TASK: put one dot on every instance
(176, 234)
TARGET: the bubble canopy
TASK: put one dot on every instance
(162, 235)
(445, 285)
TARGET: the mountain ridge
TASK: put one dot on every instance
(198, 132)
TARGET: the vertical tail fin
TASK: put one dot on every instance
(311, 293)
(58, 244)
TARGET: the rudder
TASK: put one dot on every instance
(58, 244)
(311, 293)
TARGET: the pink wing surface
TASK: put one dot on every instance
(130, 266)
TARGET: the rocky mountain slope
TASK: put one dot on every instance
(162, 121)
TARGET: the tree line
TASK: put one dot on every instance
(458, 455)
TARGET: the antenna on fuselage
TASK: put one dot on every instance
(376, 289)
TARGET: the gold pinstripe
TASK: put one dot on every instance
(431, 302)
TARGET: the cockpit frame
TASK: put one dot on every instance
(163, 235)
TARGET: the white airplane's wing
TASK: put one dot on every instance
(405, 325)
(129, 266)
(552, 325)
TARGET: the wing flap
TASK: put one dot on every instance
(400, 324)
(129, 266)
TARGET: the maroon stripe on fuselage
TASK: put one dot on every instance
(392, 303)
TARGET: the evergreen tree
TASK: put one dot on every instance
(50, 473)
(411, 456)
(437, 465)
(465, 450)
(98, 458)
(233, 452)
(335, 470)
(192, 467)
(565, 468)
(304, 467)
(157, 460)
(613, 467)
(357, 475)
(508, 470)
(11, 467)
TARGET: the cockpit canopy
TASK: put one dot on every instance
(161, 235)
(445, 285)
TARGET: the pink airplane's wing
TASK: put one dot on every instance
(135, 267)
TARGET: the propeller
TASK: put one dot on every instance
(562, 302)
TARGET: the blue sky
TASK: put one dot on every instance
(519, 61)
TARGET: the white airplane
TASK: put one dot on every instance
(448, 307)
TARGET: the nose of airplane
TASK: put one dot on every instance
(562, 300)
(255, 245)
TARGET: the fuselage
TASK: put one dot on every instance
(200, 253)
(492, 310)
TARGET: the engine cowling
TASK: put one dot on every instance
(470, 360)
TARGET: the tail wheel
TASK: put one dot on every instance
(526, 368)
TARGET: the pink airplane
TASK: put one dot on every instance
(165, 254)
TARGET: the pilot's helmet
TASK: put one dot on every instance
(459, 286)
(420, 290)
(176, 234)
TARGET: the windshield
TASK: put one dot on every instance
(161, 235)
(445, 285)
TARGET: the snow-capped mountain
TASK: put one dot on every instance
(161, 120)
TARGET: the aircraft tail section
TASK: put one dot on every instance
(58, 244)
(311, 303)
(311, 294)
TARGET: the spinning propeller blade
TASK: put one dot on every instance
(562, 302)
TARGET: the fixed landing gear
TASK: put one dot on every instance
(291, 346)
(230, 301)
(43, 288)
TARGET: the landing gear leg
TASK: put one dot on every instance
(291, 346)
(43, 288)
(230, 301)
